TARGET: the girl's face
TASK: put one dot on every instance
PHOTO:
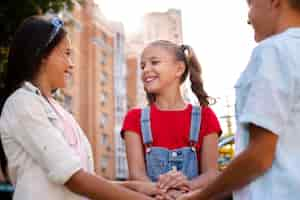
(160, 70)
(58, 65)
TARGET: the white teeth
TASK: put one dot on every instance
(149, 79)
(67, 74)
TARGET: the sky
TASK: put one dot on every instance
(217, 30)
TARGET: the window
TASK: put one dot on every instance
(104, 37)
(119, 100)
(103, 58)
(104, 139)
(104, 162)
(103, 78)
(103, 98)
(103, 120)
(108, 148)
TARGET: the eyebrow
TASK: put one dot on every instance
(152, 58)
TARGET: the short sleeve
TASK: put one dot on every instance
(132, 122)
(27, 122)
(210, 122)
(268, 100)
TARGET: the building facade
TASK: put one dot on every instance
(89, 95)
(120, 92)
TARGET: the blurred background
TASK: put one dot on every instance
(108, 37)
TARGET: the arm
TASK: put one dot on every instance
(250, 164)
(144, 187)
(209, 168)
(135, 157)
(209, 162)
(30, 126)
(95, 187)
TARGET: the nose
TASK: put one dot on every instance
(146, 67)
(71, 66)
(248, 22)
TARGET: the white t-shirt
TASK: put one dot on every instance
(40, 160)
(268, 95)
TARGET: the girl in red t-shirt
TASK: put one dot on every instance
(162, 137)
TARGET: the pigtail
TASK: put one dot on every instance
(195, 72)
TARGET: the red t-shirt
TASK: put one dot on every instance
(171, 129)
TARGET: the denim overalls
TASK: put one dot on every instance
(160, 160)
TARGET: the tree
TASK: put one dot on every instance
(13, 12)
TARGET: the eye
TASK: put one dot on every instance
(142, 65)
(68, 53)
(154, 62)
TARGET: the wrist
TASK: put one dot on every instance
(193, 185)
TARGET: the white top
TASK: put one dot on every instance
(268, 95)
(40, 160)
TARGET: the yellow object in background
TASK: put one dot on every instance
(226, 150)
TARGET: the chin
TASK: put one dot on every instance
(151, 90)
(60, 86)
(257, 38)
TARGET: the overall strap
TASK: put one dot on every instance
(195, 124)
(146, 126)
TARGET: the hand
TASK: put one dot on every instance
(173, 179)
(186, 196)
(147, 188)
(170, 195)
(175, 194)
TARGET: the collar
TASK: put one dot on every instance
(294, 31)
(30, 87)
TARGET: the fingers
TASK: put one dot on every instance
(175, 194)
(173, 179)
(180, 181)
(163, 181)
(164, 197)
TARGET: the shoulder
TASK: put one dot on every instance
(133, 116)
(134, 112)
(272, 47)
(22, 106)
(210, 122)
(207, 111)
(22, 101)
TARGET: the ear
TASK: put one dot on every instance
(180, 68)
(44, 61)
(275, 3)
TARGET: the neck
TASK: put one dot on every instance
(170, 101)
(43, 85)
(290, 19)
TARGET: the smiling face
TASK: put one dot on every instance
(160, 70)
(58, 65)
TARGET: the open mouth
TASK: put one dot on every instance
(68, 74)
(149, 79)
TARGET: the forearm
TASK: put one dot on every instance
(245, 168)
(139, 177)
(98, 188)
(132, 185)
(204, 179)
